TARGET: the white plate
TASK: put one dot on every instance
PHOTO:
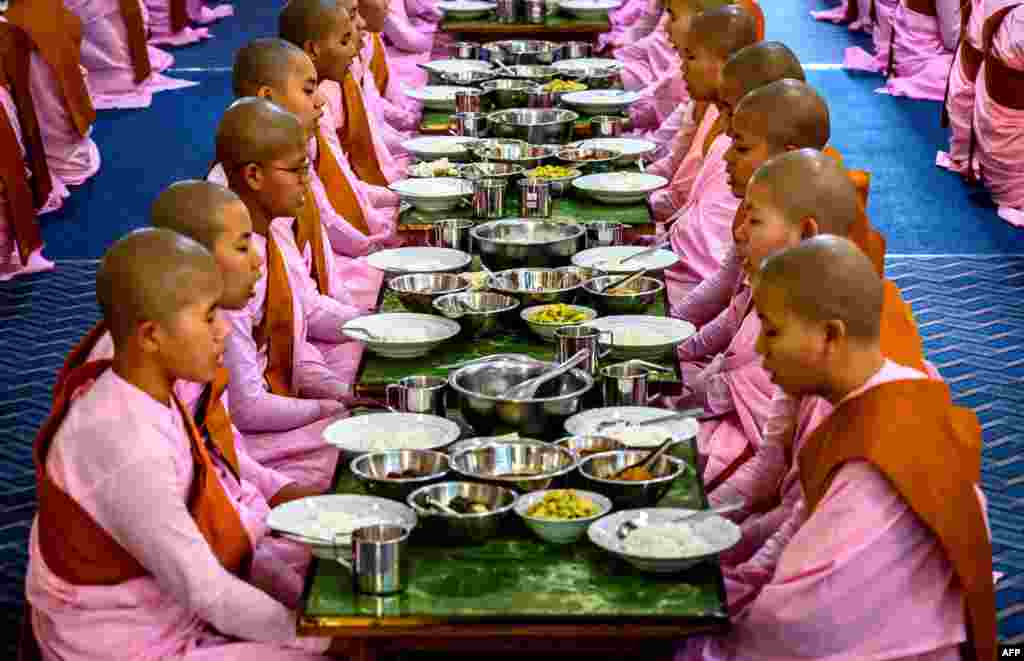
(377, 432)
(631, 148)
(588, 63)
(402, 334)
(661, 335)
(466, 8)
(419, 260)
(435, 97)
(607, 259)
(458, 66)
(589, 8)
(585, 423)
(302, 515)
(596, 102)
(620, 187)
(433, 193)
(433, 147)
(720, 533)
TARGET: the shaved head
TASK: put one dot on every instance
(827, 278)
(193, 208)
(306, 20)
(265, 62)
(254, 130)
(374, 12)
(151, 275)
(723, 30)
(807, 184)
(785, 114)
(755, 66)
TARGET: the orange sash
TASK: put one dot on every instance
(78, 550)
(379, 64)
(355, 136)
(131, 11)
(57, 34)
(308, 231)
(277, 330)
(21, 210)
(338, 188)
(930, 451)
(179, 15)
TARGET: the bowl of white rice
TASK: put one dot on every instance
(380, 432)
(663, 545)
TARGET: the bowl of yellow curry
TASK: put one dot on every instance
(559, 177)
(544, 320)
(561, 516)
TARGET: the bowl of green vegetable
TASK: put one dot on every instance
(561, 516)
(560, 177)
(544, 320)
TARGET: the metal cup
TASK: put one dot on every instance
(489, 198)
(453, 233)
(535, 11)
(625, 384)
(465, 50)
(601, 234)
(468, 100)
(572, 339)
(377, 558)
(606, 126)
(507, 11)
(538, 97)
(418, 394)
(574, 50)
(468, 124)
(535, 198)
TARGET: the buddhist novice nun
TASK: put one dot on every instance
(720, 367)
(281, 72)
(25, 183)
(124, 72)
(397, 109)
(645, 59)
(881, 14)
(281, 381)
(147, 532)
(892, 557)
(407, 46)
(748, 69)
(925, 37)
(631, 22)
(700, 231)
(999, 111)
(59, 94)
(958, 110)
(169, 20)
(325, 30)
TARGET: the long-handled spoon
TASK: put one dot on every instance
(688, 413)
(621, 282)
(647, 461)
(630, 525)
(528, 389)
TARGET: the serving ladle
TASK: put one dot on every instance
(528, 389)
(688, 413)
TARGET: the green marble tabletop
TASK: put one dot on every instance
(518, 577)
(436, 122)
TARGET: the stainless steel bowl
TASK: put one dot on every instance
(371, 470)
(479, 387)
(464, 527)
(519, 242)
(519, 466)
(479, 313)
(537, 73)
(642, 294)
(523, 51)
(538, 126)
(584, 446)
(505, 93)
(585, 158)
(467, 78)
(537, 286)
(596, 471)
(514, 152)
(574, 50)
(418, 291)
(506, 171)
(580, 272)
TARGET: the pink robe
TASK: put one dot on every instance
(838, 13)
(659, 101)
(397, 109)
(674, 139)
(645, 60)
(160, 29)
(10, 258)
(106, 56)
(924, 48)
(393, 167)
(999, 129)
(682, 168)
(861, 578)
(410, 30)
(857, 58)
(713, 295)
(382, 114)
(125, 458)
(960, 102)
(629, 23)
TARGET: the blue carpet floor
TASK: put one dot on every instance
(960, 266)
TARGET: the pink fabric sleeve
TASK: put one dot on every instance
(313, 378)
(758, 480)
(400, 32)
(653, 18)
(324, 315)
(715, 336)
(949, 22)
(253, 407)
(267, 480)
(145, 515)
(713, 295)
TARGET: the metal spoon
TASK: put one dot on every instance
(437, 504)
(360, 329)
(688, 413)
(629, 526)
(310, 539)
(621, 282)
(647, 461)
(496, 356)
(528, 389)
(647, 251)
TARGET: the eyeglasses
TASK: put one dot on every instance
(303, 172)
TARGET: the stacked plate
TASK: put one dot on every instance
(466, 9)
(620, 187)
(433, 193)
(601, 102)
(401, 334)
(419, 260)
(631, 148)
(433, 147)
(435, 97)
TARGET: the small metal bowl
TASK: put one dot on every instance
(479, 313)
(596, 471)
(537, 286)
(588, 159)
(537, 126)
(371, 470)
(643, 293)
(523, 51)
(514, 243)
(536, 73)
(546, 331)
(514, 152)
(467, 78)
(505, 93)
(580, 272)
(585, 446)
(518, 466)
(418, 291)
(506, 171)
(474, 528)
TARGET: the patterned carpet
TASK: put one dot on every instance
(968, 309)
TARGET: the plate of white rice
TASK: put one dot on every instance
(377, 432)
(663, 546)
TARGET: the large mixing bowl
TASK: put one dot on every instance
(520, 466)
(463, 527)
(519, 242)
(506, 93)
(514, 152)
(418, 291)
(415, 468)
(533, 72)
(597, 470)
(480, 386)
(635, 298)
(522, 51)
(537, 286)
(538, 126)
(479, 313)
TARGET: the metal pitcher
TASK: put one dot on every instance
(465, 50)
(601, 234)
(453, 233)
(606, 126)
(377, 557)
(507, 11)
(489, 198)
(626, 384)
(535, 198)
(535, 11)
(418, 394)
(468, 100)
(572, 339)
(468, 124)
